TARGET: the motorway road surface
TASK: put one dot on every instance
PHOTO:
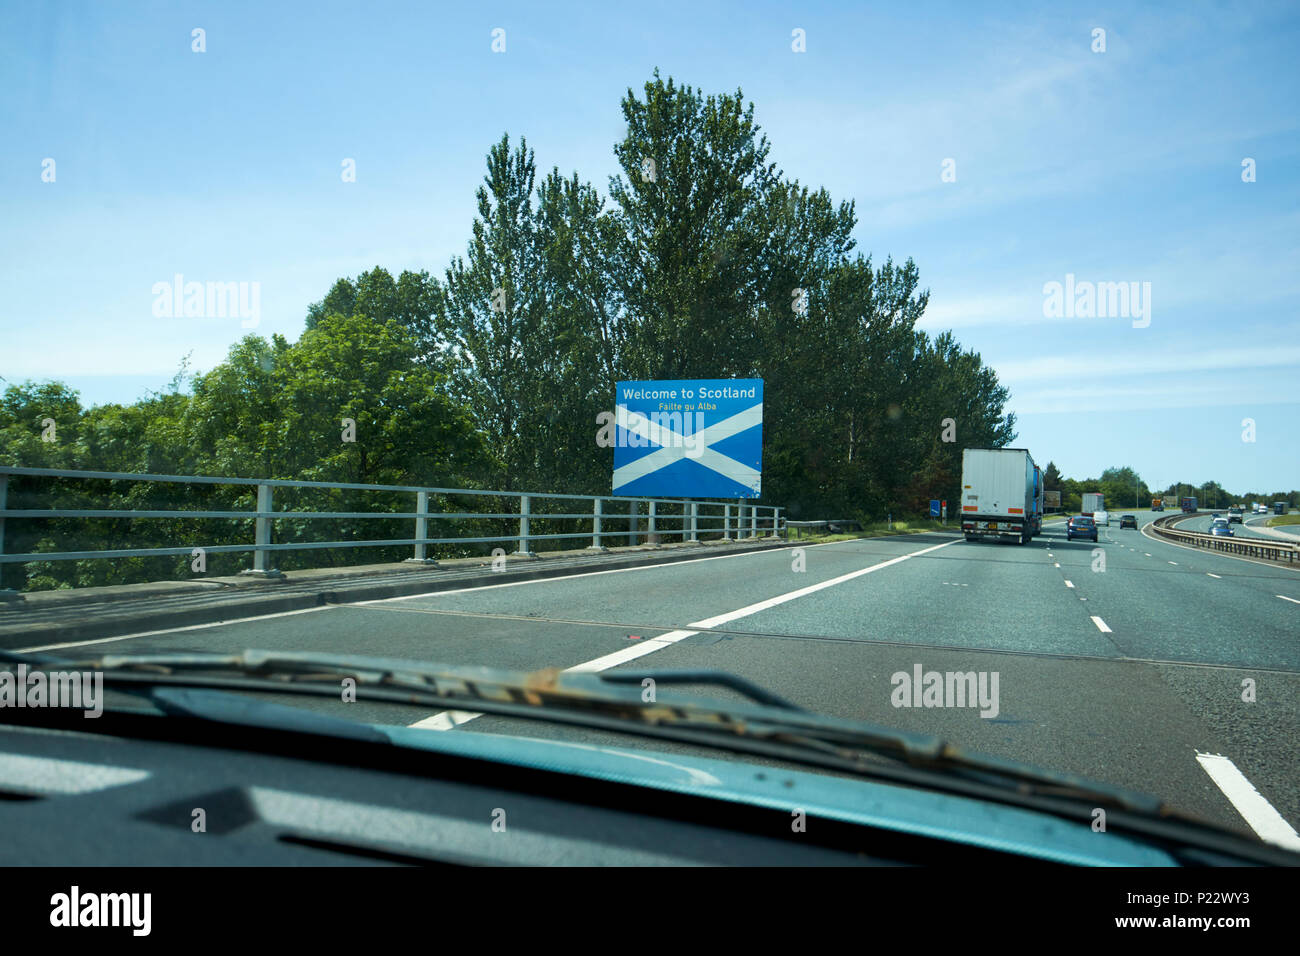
(1122, 661)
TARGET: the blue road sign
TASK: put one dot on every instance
(690, 438)
(934, 507)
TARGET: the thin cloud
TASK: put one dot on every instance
(1057, 367)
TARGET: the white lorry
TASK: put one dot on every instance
(1001, 494)
(1093, 501)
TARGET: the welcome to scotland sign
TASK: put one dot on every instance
(692, 438)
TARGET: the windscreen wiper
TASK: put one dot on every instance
(764, 725)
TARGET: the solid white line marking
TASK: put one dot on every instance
(1069, 584)
(590, 574)
(175, 630)
(1258, 812)
(1285, 598)
(1101, 625)
(1214, 575)
(407, 597)
(650, 645)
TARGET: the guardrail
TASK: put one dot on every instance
(683, 517)
(1279, 552)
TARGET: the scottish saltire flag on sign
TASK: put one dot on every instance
(693, 438)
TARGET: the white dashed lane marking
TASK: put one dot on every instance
(446, 720)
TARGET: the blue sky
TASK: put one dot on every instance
(1120, 166)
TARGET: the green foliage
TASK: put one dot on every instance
(271, 410)
(278, 411)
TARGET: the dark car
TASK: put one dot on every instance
(1222, 531)
(1080, 526)
(1128, 521)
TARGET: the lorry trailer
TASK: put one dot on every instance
(1002, 494)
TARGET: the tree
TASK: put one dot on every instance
(583, 322)
(1051, 477)
(1121, 485)
(275, 410)
(491, 312)
(410, 301)
(694, 210)
(40, 424)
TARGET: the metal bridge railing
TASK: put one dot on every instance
(685, 518)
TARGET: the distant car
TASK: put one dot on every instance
(1234, 514)
(1128, 521)
(1080, 526)
(1101, 517)
(1157, 507)
(1221, 531)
